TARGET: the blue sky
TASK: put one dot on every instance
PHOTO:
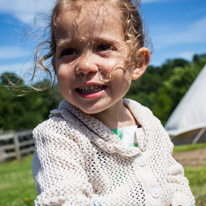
(177, 29)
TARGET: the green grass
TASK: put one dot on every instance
(16, 183)
(17, 187)
(189, 147)
(197, 179)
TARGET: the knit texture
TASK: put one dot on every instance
(78, 161)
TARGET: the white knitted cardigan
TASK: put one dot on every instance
(78, 161)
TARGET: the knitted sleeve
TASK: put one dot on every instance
(58, 170)
(182, 195)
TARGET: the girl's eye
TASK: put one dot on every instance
(68, 52)
(104, 47)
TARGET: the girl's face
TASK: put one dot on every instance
(90, 47)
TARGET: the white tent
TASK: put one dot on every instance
(188, 121)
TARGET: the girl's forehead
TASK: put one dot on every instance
(90, 7)
(89, 18)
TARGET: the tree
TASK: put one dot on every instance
(23, 111)
(173, 89)
(161, 88)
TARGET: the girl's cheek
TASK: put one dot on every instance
(111, 64)
(62, 72)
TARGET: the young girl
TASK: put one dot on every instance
(98, 149)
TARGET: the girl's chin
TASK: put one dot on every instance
(93, 109)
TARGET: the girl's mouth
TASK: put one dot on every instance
(91, 89)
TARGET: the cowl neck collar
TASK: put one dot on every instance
(101, 135)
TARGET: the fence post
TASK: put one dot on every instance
(16, 143)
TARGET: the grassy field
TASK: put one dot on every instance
(17, 185)
(189, 147)
(197, 180)
(196, 175)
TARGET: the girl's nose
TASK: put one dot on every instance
(86, 66)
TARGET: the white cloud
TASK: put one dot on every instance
(186, 55)
(25, 10)
(192, 33)
(25, 72)
(17, 68)
(160, 56)
(7, 52)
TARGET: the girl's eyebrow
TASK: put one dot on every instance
(62, 43)
(107, 40)
(98, 39)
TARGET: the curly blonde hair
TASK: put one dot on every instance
(131, 23)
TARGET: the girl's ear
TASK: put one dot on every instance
(142, 66)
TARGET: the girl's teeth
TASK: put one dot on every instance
(91, 89)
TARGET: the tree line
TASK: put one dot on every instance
(160, 88)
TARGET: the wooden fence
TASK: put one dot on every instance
(14, 145)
